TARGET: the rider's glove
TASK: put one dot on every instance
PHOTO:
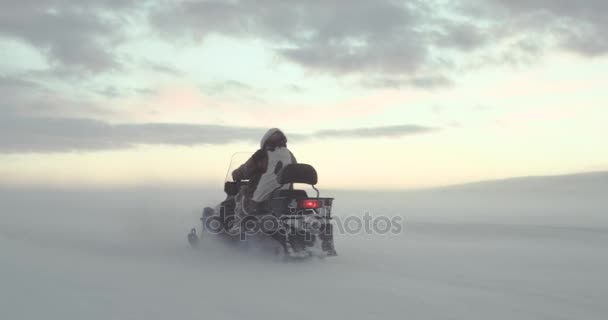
(236, 175)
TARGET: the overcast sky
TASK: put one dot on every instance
(375, 94)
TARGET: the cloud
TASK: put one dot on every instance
(428, 82)
(25, 97)
(373, 132)
(334, 36)
(160, 68)
(226, 87)
(401, 43)
(42, 134)
(15, 83)
(20, 134)
(74, 35)
(568, 25)
(408, 42)
(113, 92)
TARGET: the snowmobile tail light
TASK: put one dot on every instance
(310, 204)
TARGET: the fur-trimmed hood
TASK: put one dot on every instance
(271, 132)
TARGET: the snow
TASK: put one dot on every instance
(526, 249)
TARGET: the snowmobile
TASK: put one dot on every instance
(299, 225)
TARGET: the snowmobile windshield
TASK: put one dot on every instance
(236, 161)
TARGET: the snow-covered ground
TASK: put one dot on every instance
(519, 249)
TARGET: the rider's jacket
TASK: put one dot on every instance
(262, 168)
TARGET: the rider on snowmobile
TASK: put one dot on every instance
(262, 168)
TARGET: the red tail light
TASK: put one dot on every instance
(310, 204)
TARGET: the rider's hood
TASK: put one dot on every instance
(268, 134)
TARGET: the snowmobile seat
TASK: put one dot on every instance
(297, 173)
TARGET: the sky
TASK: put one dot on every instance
(374, 94)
